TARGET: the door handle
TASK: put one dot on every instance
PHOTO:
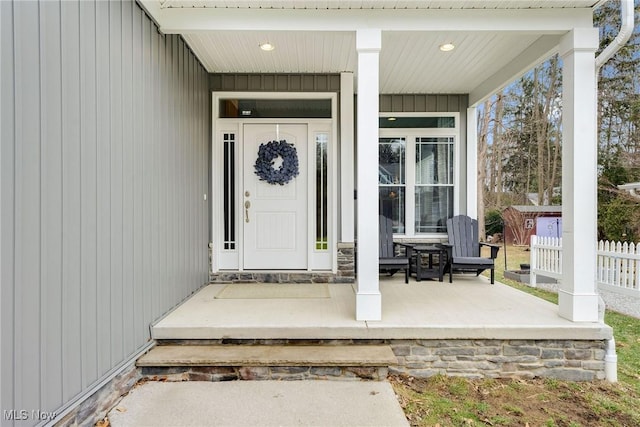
(247, 205)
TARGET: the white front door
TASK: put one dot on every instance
(274, 216)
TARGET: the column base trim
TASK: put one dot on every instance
(578, 307)
(369, 306)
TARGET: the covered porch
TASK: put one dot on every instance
(401, 50)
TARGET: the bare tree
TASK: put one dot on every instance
(521, 134)
(485, 114)
(498, 144)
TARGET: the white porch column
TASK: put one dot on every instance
(472, 162)
(347, 174)
(368, 297)
(578, 299)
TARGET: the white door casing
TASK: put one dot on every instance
(275, 219)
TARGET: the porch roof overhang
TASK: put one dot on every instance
(496, 41)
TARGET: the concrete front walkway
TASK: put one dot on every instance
(260, 403)
(469, 308)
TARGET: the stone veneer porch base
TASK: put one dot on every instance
(97, 406)
(345, 272)
(573, 360)
(277, 277)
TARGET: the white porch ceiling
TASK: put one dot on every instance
(380, 4)
(495, 40)
(410, 62)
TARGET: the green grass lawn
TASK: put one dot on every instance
(517, 255)
(449, 401)
(626, 329)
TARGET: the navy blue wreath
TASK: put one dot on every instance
(270, 151)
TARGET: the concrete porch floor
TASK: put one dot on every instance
(469, 308)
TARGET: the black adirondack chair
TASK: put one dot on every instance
(388, 261)
(463, 249)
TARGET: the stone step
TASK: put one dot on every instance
(269, 355)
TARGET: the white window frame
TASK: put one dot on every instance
(410, 135)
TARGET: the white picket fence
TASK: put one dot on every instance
(618, 264)
(545, 258)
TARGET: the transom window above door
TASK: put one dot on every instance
(260, 108)
(416, 179)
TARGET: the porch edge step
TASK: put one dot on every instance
(268, 355)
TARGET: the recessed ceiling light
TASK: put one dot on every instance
(447, 47)
(392, 119)
(268, 47)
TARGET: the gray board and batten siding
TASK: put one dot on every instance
(293, 82)
(105, 127)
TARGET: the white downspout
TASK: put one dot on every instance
(611, 362)
(626, 29)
